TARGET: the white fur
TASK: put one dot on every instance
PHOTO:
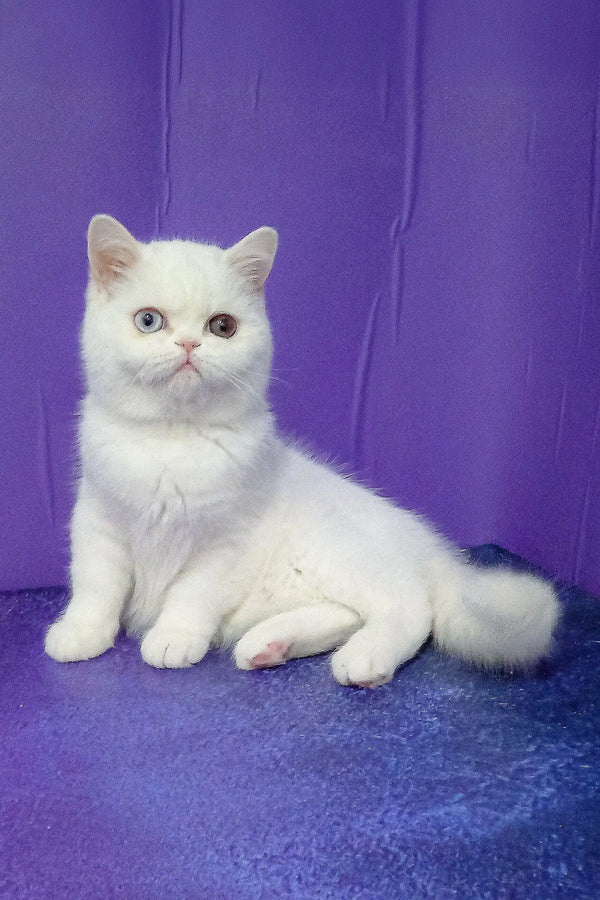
(195, 524)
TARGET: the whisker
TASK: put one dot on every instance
(236, 380)
(271, 377)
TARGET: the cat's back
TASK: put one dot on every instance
(317, 505)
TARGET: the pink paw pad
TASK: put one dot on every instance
(274, 654)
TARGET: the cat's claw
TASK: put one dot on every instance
(169, 649)
(69, 640)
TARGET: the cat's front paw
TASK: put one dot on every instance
(361, 667)
(166, 648)
(71, 640)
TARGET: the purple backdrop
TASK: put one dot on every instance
(434, 171)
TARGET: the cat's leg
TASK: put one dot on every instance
(101, 579)
(303, 631)
(394, 631)
(192, 612)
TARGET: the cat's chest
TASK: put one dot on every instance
(163, 479)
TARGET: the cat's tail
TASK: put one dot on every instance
(493, 617)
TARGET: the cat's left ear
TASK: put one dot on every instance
(253, 256)
(112, 250)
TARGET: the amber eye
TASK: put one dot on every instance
(223, 325)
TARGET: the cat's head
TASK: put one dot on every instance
(175, 328)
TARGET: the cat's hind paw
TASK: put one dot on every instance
(251, 653)
(70, 640)
(360, 668)
(172, 649)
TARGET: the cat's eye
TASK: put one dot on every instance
(223, 325)
(148, 320)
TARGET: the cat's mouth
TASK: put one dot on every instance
(187, 366)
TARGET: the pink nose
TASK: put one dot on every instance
(188, 346)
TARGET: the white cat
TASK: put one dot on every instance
(195, 524)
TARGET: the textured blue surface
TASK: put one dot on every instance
(119, 780)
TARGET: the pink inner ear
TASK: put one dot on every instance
(253, 256)
(112, 250)
(112, 263)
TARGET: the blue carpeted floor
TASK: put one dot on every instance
(118, 780)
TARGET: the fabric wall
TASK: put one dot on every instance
(80, 98)
(434, 172)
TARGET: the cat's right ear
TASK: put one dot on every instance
(112, 250)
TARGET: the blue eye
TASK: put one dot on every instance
(148, 320)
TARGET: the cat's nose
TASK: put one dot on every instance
(188, 346)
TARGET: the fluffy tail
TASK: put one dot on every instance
(494, 617)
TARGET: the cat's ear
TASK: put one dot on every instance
(112, 250)
(253, 256)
